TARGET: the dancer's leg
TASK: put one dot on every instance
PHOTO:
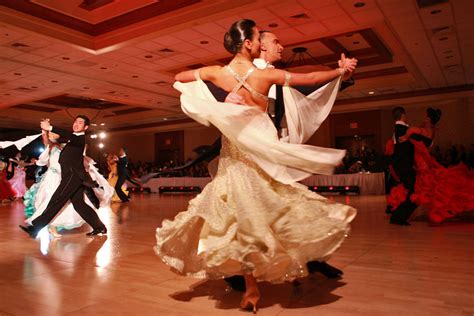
(84, 210)
(251, 295)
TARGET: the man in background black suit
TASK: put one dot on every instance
(122, 172)
(402, 162)
(73, 175)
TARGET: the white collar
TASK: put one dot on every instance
(124, 155)
(79, 134)
(261, 63)
(401, 123)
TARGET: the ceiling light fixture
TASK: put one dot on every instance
(204, 42)
(298, 58)
(371, 92)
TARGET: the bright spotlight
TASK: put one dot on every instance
(101, 145)
(41, 149)
(94, 136)
(102, 124)
(102, 135)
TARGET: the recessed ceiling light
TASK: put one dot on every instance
(54, 81)
(435, 12)
(273, 25)
(371, 92)
(148, 56)
(17, 74)
(134, 76)
(86, 88)
(66, 58)
(359, 4)
(103, 68)
(204, 42)
(165, 119)
(102, 124)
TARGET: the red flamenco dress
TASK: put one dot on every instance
(6, 190)
(444, 192)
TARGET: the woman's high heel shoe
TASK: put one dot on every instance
(249, 302)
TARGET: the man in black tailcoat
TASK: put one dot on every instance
(73, 176)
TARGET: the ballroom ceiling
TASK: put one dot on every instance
(118, 58)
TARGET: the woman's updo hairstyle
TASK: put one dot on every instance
(434, 115)
(237, 34)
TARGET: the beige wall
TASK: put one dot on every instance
(198, 136)
(140, 147)
(322, 137)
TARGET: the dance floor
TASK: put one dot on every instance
(388, 270)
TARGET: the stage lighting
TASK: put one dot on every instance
(102, 135)
(346, 189)
(101, 145)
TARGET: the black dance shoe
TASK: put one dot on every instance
(325, 269)
(98, 232)
(30, 230)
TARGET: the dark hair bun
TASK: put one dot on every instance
(434, 115)
(237, 34)
(229, 44)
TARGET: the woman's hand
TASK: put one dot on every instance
(347, 64)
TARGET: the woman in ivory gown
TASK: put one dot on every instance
(39, 195)
(253, 219)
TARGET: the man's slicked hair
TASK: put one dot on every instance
(87, 121)
(398, 112)
(262, 34)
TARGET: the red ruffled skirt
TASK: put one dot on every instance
(444, 192)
